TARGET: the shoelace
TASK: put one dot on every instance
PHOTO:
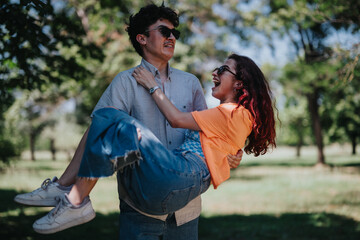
(45, 183)
(43, 186)
(59, 208)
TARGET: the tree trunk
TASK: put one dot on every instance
(53, 149)
(315, 120)
(299, 144)
(298, 150)
(32, 146)
(298, 147)
(353, 143)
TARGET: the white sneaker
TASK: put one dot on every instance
(65, 215)
(48, 195)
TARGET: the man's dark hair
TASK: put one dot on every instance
(148, 15)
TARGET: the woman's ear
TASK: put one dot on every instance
(238, 85)
(141, 38)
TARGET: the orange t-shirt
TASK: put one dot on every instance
(224, 130)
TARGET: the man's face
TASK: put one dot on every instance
(158, 47)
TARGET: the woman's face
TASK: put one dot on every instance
(225, 82)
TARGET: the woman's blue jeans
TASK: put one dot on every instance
(161, 182)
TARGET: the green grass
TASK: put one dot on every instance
(276, 196)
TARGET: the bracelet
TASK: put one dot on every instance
(153, 89)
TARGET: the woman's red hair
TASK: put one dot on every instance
(255, 95)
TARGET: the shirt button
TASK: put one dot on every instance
(169, 142)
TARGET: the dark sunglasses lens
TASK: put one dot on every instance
(220, 70)
(176, 33)
(166, 32)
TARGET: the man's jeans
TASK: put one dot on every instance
(135, 226)
(162, 182)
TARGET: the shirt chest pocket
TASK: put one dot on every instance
(184, 106)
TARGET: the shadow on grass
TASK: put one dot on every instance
(278, 164)
(6, 200)
(348, 165)
(292, 226)
(36, 169)
(296, 164)
(16, 225)
(20, 227)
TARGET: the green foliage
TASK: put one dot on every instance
(301, 79)
(344, 104)
(65, 133)
(40, 46)
(81, 46)
(7, 150)
(30, 115)
(308, 24)
(31, 54)
(295, 127)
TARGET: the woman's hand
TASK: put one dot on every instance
(234, 160)
(138, 133)
(144, 78)
(175, 117)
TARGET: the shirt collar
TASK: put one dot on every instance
(153, 69)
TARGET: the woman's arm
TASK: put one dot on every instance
(176, 118)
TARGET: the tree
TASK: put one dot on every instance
(295, 124)
(30, 114)
(344, 100)
(64, 135)
(34, 36)
(308, 24)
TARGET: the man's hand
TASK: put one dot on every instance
(234, 160)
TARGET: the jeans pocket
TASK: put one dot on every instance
(178, 198)
(206, 181)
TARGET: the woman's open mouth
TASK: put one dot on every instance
(216, 82)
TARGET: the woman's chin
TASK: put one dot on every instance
(214, 94)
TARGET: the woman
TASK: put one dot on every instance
(117, 141)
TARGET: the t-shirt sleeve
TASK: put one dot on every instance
(220, 122)
(116, 95)
(213, 128)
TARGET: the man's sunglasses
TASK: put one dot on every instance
(166, 32)
(222, 69)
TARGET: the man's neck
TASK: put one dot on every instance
(162, 66)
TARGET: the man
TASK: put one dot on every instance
(153, 35)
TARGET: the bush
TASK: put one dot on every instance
(7, 150)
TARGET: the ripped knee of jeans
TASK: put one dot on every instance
(130, 159)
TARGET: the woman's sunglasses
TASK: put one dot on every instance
(166, 32)
(222, 69)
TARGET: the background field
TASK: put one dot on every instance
(273, 197)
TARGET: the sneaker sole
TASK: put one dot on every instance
(37, 203)
(75, 222)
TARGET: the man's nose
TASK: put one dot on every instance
(171, 36)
